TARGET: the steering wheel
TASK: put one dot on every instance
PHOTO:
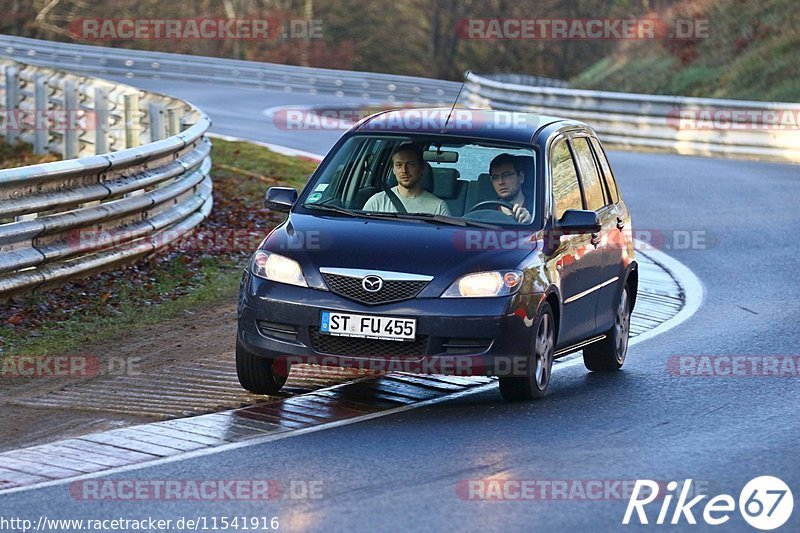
(483, 205)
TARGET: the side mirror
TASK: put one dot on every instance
(577, 221)
(280, 198)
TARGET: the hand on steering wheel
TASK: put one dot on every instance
(518, 212)
(483, 205)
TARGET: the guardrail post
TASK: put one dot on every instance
(61, 109)
(101, 120)
(41, 128)
(12, 103)
(173, 121)
(156, 114)
(71, 109)
(132, 127)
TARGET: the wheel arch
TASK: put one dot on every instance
(632, 281)
(553, 297)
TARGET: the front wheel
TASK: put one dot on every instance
(539, 366)
(609, 353)
(257, 374)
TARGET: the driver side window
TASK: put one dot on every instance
(566, 189)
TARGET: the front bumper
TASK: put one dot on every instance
(457, 336)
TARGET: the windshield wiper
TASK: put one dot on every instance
(455, 221)
(332, 208)
(430, 217)
(424, 217)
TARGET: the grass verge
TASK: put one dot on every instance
(20, 154)
(742, 50)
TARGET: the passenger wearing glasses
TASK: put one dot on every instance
(507, 174)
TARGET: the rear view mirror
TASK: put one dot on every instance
(438, 156)
(280, 198)
(577, 221)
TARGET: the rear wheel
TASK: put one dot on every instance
(609, 353)
(257, 374)
(539, 366)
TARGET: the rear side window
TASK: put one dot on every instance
(566, 189)
(601, 157)
(592, 187)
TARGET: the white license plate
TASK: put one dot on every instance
(368, 326)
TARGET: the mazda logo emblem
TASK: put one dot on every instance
(372, 283)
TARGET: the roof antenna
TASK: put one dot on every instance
(466, 75)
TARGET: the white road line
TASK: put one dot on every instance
(305, 112)
(283, 150)
(252, 442)
(693, 292)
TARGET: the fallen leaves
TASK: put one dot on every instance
(223, 241)
(16, 319)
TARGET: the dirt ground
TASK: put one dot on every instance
(28, 420)
(181, 367)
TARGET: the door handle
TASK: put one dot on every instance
(620, 223)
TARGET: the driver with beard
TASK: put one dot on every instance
(407, 165)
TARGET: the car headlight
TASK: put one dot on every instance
(485, 284)
(278, 268)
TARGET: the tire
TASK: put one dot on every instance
(539, 367)
(609, 354)
(256, 374)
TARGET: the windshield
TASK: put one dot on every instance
(439, 179)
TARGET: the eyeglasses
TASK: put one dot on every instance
(505, 175)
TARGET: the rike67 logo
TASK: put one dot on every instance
(765, 502)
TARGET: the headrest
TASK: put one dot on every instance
(445, 183)
(527, 165)
(485, 184)
(480, 190)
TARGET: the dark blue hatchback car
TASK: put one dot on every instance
(445, 241)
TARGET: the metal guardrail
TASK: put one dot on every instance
(120, 200)
(288, 78)
(685, 125)
(527, 79)
(625, 120)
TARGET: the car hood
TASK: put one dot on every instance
(442, 251)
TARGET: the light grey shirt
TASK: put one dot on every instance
(424, 203)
